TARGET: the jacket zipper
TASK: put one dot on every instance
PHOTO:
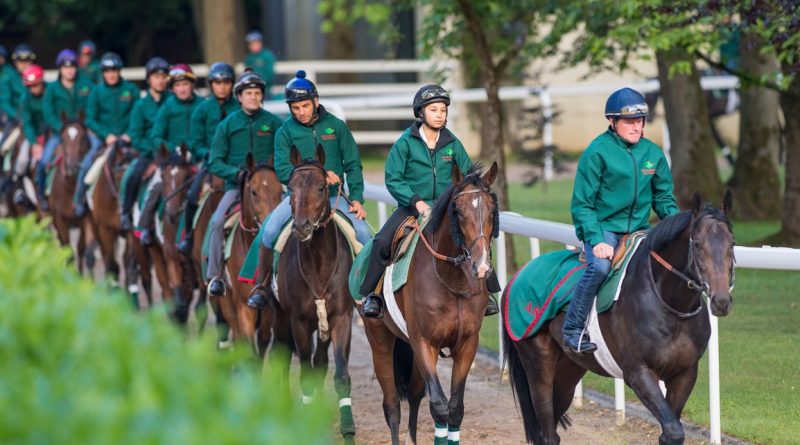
(635, 189)
(251, 136)
(433, 163)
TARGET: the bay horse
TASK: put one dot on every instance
(312, 288)
(176, 175)
(443, 304)
(20, 175)
(260, 192)
(657, 330)
(74, 145)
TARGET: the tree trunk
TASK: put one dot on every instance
(694, 166)
(790, 222)
(221, 26)
(755, 183)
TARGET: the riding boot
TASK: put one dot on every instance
(216, 288)
(187, 243)
(80, 204)
(147, 219)
(126, 221)
(578, 342)
(258, 298)
(372, 306)
(493, 286)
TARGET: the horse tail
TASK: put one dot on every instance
(521, 390)
(403, 364)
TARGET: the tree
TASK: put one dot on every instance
(220, 25)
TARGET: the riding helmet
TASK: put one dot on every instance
(249, 79)
(427, 95)
(300, 88)
(33, 75)
(220, 72)
(156, 65)
(23, 52)
(111, 61)
(66, 57)
(626, 102)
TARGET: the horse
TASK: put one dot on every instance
(176, 175)
(260, 192)
(312, 287)
(74, 145)
(18, 178)
(657, 330)
(105, 211)
(443, 304)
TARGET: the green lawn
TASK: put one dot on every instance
(759, 352)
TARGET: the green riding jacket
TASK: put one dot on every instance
(142, 118)
(12, 91)
(32, 116)
(108, 110)
(91, 72)
(263, 63)
(59, 100)
(414, 172)
(616, 185)
(341, 151)
(205, 119)
(236, 136)
(172, 126)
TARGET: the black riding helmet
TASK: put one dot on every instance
(111, 61)
(427, 95)
(249, 79)
(300, 88)
(156, 65)
(220, 72)
(23, 52)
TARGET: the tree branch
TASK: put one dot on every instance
(515, 49)
(477, 34)
(747, 77)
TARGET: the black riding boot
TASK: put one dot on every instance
(187, 243)
(258, 298)
(132, 189)
(81, 207)
(493, 286)
(148, 218)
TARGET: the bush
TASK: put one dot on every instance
(78, 366)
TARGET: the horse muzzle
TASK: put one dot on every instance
(303, 230)
(721, 304)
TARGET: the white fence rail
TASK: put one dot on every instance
(535, 229)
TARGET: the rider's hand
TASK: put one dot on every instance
(422, 207)
(125, 138)
(110, 139)
(358, 209)
(603, 250)
(36, 151)
(333, 178)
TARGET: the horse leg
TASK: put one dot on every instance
(679, 388)
(81, 250)
(644, 383)
(382, 344)
(427, 356)
(162, 275)
(462, 361)
(341, 334)
(264, 332)
(108, 238)
(303, 348)
(416, 391)
(567, 376)
(247, 318)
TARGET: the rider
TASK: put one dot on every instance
(425, 148)
(142, 117)
(249, 131)
(12, 90)
(205, 119)
(33, 123)
(260, 59)
(89, 68)
(63, 99)
(108, 114)
(311, 125)
(171, 128)
(617, 162)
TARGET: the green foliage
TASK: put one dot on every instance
(80, 367)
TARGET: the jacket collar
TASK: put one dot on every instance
(445, 136)
(622, 142)
(322, 113)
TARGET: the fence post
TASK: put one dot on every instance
(713, 380)
(619, 400)
(535, 250)
(502, 276)
(381, 214)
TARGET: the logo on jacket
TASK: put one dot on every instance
(328, 134)
(84, 90)
(126, 95)
(447, 155)
(264, 130)
(649, 168)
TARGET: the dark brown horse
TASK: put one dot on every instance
(260, 193)
(443, 304)
(658, 330)
(74, 145)
(17, 180)
(312, 287)
(176, 174)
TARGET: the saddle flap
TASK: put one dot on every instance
(401, 239)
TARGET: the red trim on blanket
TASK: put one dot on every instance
(506, 291)
(242, 279)
(537, 311)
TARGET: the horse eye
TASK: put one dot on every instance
(253, 192)
(321, 188)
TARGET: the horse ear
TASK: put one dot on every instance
(320, 154)
(184, 151)
(490, 175)
(163, 153)
(455, 173)
(697, 203)
(63, 118)
(294, 155)
(250, 162)
(727, 202)
(81, 116)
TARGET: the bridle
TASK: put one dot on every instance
(327, 211)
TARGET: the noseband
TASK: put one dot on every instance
(327, 218)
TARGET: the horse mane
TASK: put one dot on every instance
(670, 227)
(306, 163)
(176, 160)
(442, 206)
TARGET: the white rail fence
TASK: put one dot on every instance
(779, 258)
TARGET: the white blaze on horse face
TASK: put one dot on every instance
(475, 203)
(483, 264)
(72, 132)
(264, 183)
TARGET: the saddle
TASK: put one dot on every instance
(401, 239)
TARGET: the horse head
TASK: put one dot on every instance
(474, 216)
(309, 199)
(711, 258)
(260, 191)
(74, 145)
(176, 171)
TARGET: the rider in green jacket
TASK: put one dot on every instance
(88, 67)
(417, 172)
(172, 128)
(620, 177)
(108, 114)
(205, 119)
(142, 117)
(33, 125)
(260, 59)
(11, 89)
(65, 98)
(248, 131)
(309, 126)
